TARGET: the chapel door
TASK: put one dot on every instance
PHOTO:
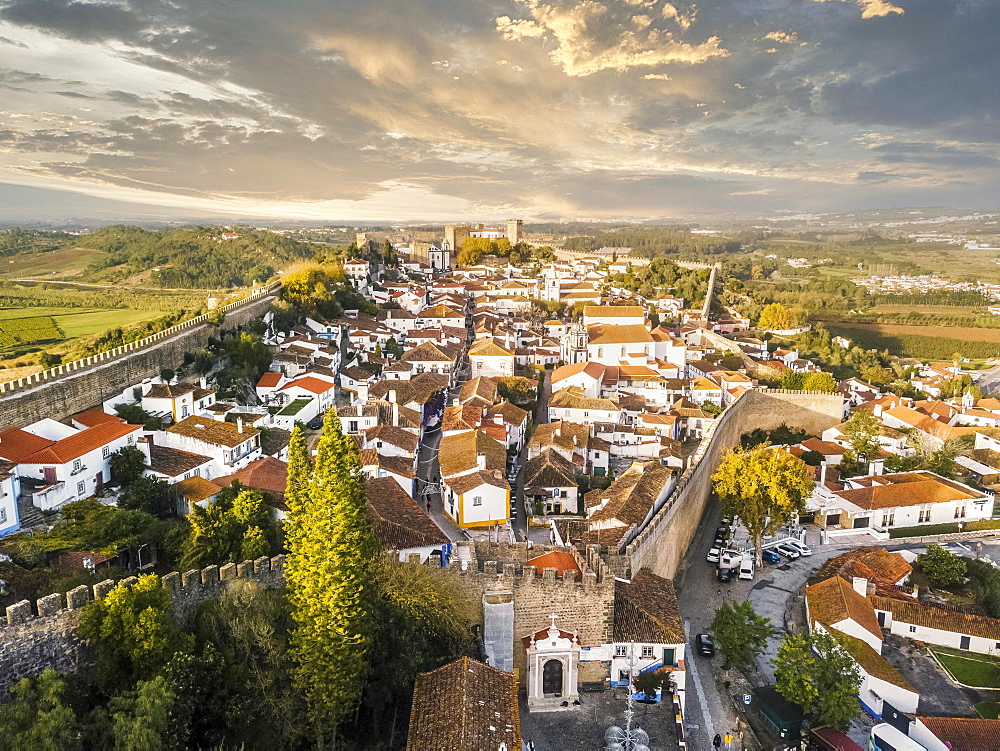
(552, 678)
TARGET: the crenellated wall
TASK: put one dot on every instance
(662, 544)
(41, 636)
(67, 389)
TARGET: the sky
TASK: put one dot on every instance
(467, 109)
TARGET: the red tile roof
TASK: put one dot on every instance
(309, 383)
(93, 417)
(963, 734)
(557, 559)
(15, 444)
(267, 474)
(269, 380)
(74, 446)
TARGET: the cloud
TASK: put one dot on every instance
(872, 8)
(587, 37)
(783, 37)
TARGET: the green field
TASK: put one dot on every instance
(26, 325)
(988, 710)
(969, 669)
(931, 343)
(15, 331)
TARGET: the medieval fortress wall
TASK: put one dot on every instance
(67, 389)
(662, 544)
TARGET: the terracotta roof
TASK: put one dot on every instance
(488, 347)
(646, 610)
(920, 614)
(397, 519)
(610, 334)
(614, 311)
(464, 705)
(827, 448)
(269, 380)
(835, 740)
(631, 496)
(873, 563)
(174, 462)
(195, 489)
(573, 398)
(93, 417)
(213, 431)
(906, 489)
(74, 446)
(465, 483)
(543, 634)
(548, 470)
(458, 453)
(402, 439)
(511, 413)
(268, 474)
(15, 444)
(309, 383)
(401, 466)
(560, 560)
(963, 734)
(168, 390)
(593, 369)
(871, 661)
(834, 600)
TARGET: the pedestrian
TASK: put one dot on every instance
(717, 741)
(428, 506)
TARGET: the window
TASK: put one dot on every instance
(620, 650)
(913, 629)
(960, 512)
(647, 653)
(477, 500)
(81, 488)
(623, 675)
(76, 465)
(187, 475)
(106, 452)
(925, 514)
(3, 516)
(197, 471)
(888, 517)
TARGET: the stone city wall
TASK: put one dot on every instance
(664, 541)
(79, 385)
(42, 635)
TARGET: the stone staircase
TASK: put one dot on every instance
(29, 514)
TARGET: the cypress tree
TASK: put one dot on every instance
(328, 573)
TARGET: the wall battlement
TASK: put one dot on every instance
(41, 635)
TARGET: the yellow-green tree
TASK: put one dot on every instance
(762, 487)
(819, 382)
(331, 550)
(780, 317)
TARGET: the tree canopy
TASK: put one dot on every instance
(816, 673)
(779, 317)
(740, 633)
(763, 487)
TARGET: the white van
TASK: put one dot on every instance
(746, 567)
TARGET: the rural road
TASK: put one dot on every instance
(116, 286)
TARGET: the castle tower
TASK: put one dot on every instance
(514, 231)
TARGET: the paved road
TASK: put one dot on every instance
(989, 380)
(429, 472)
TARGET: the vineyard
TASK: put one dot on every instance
(14, 331)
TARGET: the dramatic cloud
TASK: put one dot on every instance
(444, 109)
(589, 36)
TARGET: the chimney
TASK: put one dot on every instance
(860, 584)
(392, 395)
(822, 473)
(480, 461)
(395, 413)
(239, 424)
(455, 402)
(204, 382)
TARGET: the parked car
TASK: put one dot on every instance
(724, 575)
(316, 423)
(769, 556)
(746, 568)
(788, 551)
(704, 645)
(713, 555)
(801, 547)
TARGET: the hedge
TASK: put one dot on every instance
(927, 530)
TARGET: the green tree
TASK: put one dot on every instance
(819, 382)
(167, 374)
(148, 494)
(942, 567)
(818, 675)
(127, 465)
(237, 527)
(141, 718)
(132, 632)
(392, 348)
(942, 460)
(133, 414)
(763, 488)
(740, 633)
(651, 681)
(259, 273)
(38, 719)
(792, 380)
(862, 434)
(328, 574)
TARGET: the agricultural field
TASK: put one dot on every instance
(965, 333)
(76, 322)
(923, 342)
(63, 262)
(28, 330)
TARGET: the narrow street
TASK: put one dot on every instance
(428, 473)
